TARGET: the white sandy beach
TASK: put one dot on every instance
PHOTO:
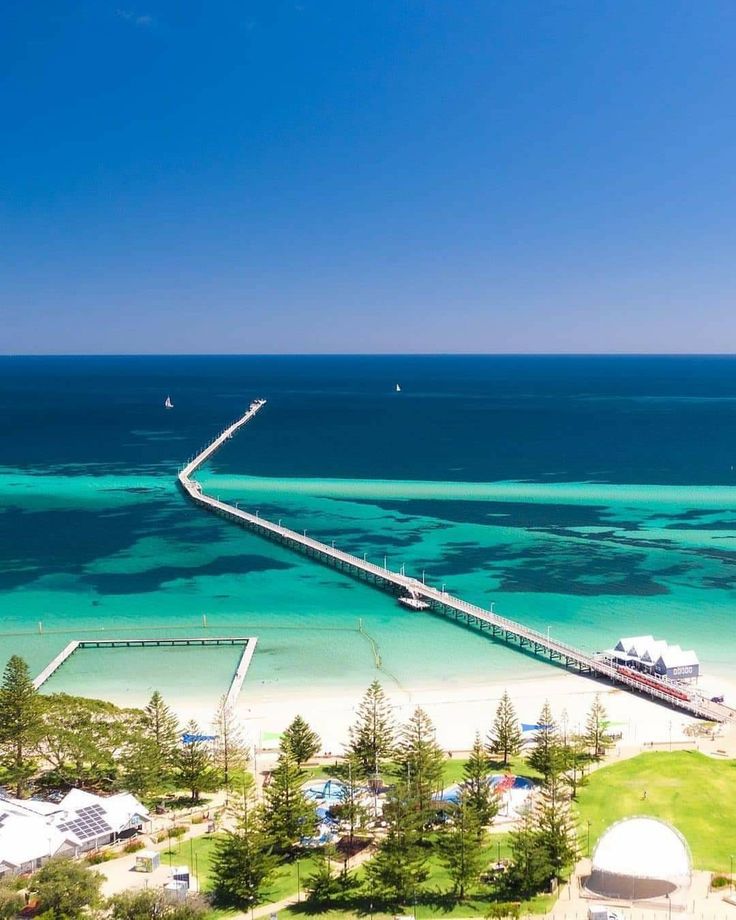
(457, 713)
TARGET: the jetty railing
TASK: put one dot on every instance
(687, 699)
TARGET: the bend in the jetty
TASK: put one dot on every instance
(419, 596)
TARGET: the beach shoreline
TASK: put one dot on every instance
(457, 712)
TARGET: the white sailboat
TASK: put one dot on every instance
(398, 388)
(168, 404)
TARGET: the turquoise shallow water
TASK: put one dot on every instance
(592, 502)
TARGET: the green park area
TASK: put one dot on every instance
(692, 792)
(434, 901)
(687, 789)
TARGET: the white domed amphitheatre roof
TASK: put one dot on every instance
(639, 858)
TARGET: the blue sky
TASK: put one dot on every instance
(399, 176)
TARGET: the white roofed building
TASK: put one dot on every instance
(655, 656)
(33, 831)
(676, 664)
(633, 646)
(652, 651)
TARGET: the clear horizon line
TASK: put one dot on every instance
(372, 354)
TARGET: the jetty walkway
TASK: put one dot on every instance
(419, 596)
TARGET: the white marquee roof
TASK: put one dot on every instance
(643, 848)
(31, 829)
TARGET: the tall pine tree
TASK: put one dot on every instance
(504, 738)
(373, 735)
(530, 868)
(546, 753)
(230, 754)
(161, 728)
(399, 868)
(288, 816)
(195, 764)
(476, 789)
(300, 742)
(460, 846)
(243, 863)
(21, 724)
(420, 760)
(555, 826)
(351, 809)
(596, 729)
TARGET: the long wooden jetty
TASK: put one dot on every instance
(420, 596)
(248, 642)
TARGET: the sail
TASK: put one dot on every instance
(168, 404)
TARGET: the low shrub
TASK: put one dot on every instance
(198, 819)
(132, 846)
(99, 856)
(720, 881)
(177, 831)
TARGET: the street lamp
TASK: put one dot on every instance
(588, 847)
(493, 604)
(669, 906)
(731, 874)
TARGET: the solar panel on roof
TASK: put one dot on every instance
(89, 822)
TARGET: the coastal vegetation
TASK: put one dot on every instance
(57, 741)
(421, 834)
(429, 848)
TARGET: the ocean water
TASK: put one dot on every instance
(591, 496)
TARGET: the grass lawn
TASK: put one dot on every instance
(198, 852)
(434, 900)
(453, 770)
(692, 792)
